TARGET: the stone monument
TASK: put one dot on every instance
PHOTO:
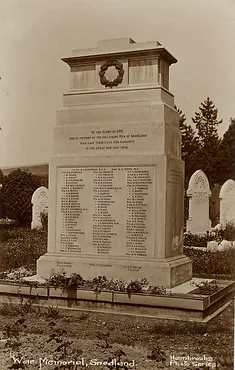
(198, 193)
(39, 202)
(116, 177)
(227, 202)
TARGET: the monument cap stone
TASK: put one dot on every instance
(124, 46)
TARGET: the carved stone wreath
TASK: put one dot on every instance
(117, 80)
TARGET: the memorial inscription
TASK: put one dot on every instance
(106, 210)
(90, 140)
(107, 139)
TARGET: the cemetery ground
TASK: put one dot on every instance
(32, 333)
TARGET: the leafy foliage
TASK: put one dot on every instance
(64, 282)
(211, 264)
(226, 233)
(2, 208)
(189, 146)
(22, 248)
(206, 122)
(44, 220)
(226, 153)
(17, 190)
(205, 287)
(102, 283)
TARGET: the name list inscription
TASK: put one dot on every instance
(106, 210)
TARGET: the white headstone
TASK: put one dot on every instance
(198, 193)
(225, 244)
(212, 246)
(227, 202)
(39, 205)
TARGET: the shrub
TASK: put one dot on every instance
(64, 282)
(18, 274)
(5, 235)
(2, 208)
(17, 190)
(228, 232)
(23, 248)
(212, 264)
(44, 220)
(193, 240)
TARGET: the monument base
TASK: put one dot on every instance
(168, 272)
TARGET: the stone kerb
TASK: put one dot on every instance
(39, 203)
(227, 202)
(199, 193)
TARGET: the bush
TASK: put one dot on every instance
(211, 264)
(44, 220)
(193, 240)
(23, 248)
(5, 235)
(229, 232)
(2, 209)
(17, 190)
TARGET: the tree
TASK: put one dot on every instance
(189, 146)
(1, 177)
(206, 121)
(227, 154)
(2, 211)
(17, 190)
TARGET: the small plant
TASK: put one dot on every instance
(26, 307)
(205, 287)
(99, 284)
(64, 282)
(157, 354)
(136, 286)
(118, 285)
(104, 337)
(12, 333)
(63, 348)
(229, 231)
(116, 362)
(18, 274)
(44, 220)
(158, 290)
(52, 312)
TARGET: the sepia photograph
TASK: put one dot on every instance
(117, 184)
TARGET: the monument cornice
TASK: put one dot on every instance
(157, 52)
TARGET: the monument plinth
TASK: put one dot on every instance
(116, 177)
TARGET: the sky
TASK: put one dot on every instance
(36, 34)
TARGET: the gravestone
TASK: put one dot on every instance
(227, 202)
(214, 205)
(198, 192)
(39, 203)
(117, 178)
